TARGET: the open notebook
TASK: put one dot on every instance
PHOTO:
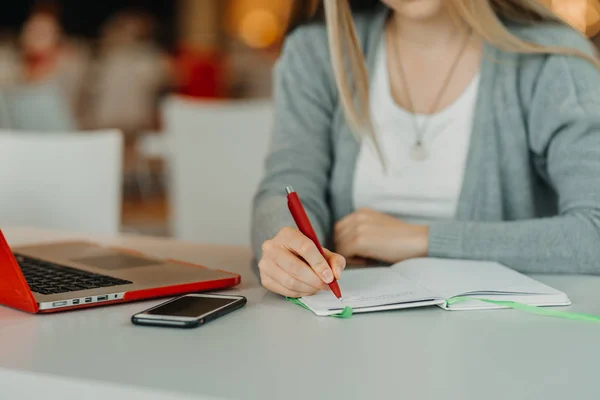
(430, 281)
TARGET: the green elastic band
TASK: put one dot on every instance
(346, 312)
(530, 309)
(549, 312)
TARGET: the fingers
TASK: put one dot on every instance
(275, 287)
(348, 226)
(351, 219)
(350, 231)
(351, 246)
(337, 262)
(295, 267)
(347, 249)
(270, 271)
(343, 239)
(344, 226)
(305, 248)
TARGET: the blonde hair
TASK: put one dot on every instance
(482, 16)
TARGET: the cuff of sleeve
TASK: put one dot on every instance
(446, 240)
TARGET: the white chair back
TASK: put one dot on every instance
(217, 152)
(61, 181)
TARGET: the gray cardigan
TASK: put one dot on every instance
(531, 192)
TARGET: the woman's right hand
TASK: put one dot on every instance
(292, 266)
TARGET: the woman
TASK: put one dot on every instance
(477, 138)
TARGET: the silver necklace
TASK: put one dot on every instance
(419, 151)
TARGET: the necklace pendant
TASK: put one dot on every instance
(418, 152)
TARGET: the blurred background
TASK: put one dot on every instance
(185, 81)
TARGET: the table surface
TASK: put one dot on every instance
(273, 349)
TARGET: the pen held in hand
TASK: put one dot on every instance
(304, 225)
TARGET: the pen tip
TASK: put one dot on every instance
(341, 298)
(289, 190)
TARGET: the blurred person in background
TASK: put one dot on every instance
(465, 129)
(48, 55)
(9, 60)
(130, 73)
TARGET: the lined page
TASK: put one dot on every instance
(369, 287)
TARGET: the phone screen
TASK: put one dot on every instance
(191, 306)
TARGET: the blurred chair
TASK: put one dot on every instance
(67, 182)
(216, 153)
(37, 108)
(151, 147)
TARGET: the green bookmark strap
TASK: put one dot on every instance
(346, 313)
(549, 312)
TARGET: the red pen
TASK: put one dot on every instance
(304, 225)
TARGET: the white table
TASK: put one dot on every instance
(273, 349)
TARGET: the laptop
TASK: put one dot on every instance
(65, 276)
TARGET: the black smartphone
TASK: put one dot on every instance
(189, 311)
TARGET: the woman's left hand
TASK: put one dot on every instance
(373, 235)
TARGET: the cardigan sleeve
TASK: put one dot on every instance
(564, 129)
(301, 153)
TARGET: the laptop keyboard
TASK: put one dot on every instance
(48, 278)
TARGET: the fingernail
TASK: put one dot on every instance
(327, 276)
(338, 271)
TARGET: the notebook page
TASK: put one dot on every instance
(450, 278)
(369, 287)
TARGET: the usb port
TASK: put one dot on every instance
(102, 298)
(59, 304)
(75, 302)
(88, 300)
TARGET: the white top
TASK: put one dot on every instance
(415, 191)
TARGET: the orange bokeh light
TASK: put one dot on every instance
(258, 23)
(260, 28)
